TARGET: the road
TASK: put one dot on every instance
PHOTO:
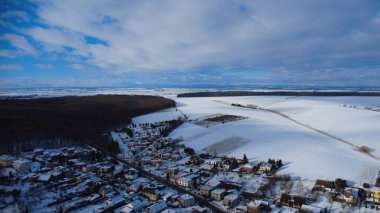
(147, 174)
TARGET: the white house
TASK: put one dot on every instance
(131, 174)
(266, 167)
(185, 182)
(218, 194)
(186, 200)
(231, 200)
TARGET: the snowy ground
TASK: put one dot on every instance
(165, 115)
(309, 153)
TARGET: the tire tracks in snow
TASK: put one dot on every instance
(355, 147)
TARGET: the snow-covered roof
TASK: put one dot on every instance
(44, 177)
(231, 197)
(310, 209)
(218, 191)
(156, 207)
(186, 196)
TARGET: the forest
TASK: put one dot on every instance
(275, 93)
(71, 120)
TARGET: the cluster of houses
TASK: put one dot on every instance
(83, 179)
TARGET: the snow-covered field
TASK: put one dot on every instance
(165, 115)
(308, 153)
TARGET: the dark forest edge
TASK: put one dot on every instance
(275, 93)
(70, 120)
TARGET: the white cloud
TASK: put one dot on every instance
(11, 67)
(44, 66)
(19, 42)
(177, 35)
(23, 16)
(79, 67)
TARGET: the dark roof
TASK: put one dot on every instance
(285, 198)
(325, 183)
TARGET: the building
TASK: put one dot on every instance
(231, 200)
(247, 168)
(131, 174)
(186, 200)
(292, 201)
(350, 196)
(206, 189)
(218, 194)
(135, 187)
(88, 168)
(134, 206)
(310, 209)
(254, 207)
(266, 167)
(6, 160)
(186, 182)
(105, 190)
(38, 152)
(324, 185)
(156, 207)
(375, 193)
(151, 193)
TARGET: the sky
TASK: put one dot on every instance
(196, 43)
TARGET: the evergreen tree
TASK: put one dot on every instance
(245, 159)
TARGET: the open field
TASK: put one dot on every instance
(309, 153)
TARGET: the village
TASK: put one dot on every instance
(154, 173)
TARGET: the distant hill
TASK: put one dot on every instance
(275, 93)
(48, 122)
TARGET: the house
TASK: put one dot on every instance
(213, 161)
(135, 187)
(6, 160)
(254, 207)
(105, 190)
(186, 200)
(134, 206)
(206, 189)
(324, 185)
(156, 207)
(131, 174)
(22, 165)
(266, 167)
(310, 209)
(377, 182)
(185, 182)
(88, 168)
(38, 152)
(151, 193)
(218, 194)
(292, 201)
(375, 193)
(173, 171)
(44, 178)
(195, 160)
(350, 196)
(247, 168)
(231, 200)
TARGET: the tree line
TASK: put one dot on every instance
(48, 122)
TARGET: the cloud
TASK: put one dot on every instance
(11, 67)
(44, 66)
(21, 15)
(20, 43)
(79, 67)
(177, 35)
(229, 41)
